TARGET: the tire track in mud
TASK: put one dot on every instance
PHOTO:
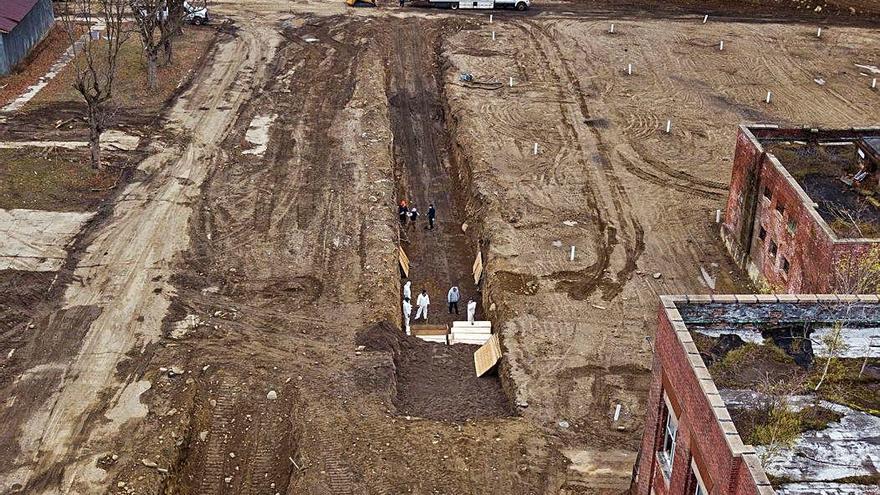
(652, 170)
(609, 202)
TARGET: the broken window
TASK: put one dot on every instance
(780, 207)
(792, 226)
(762, 233)
(667, 450)
(785, 265)
(767, 193)
(773, 248)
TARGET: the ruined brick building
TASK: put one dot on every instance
(803, 207)
(702, 412)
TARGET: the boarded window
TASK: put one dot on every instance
(792, 226)
(762, 233)
(785, 265)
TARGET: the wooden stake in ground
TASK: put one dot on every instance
(95, 60)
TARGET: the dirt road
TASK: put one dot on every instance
(113, 310)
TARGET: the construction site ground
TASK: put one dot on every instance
(229, 319)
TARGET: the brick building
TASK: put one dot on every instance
(691, 443)
(795, 218)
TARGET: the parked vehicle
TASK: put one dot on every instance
(482, 4)
(195, 15)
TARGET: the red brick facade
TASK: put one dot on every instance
(770, 227)
(706, 437)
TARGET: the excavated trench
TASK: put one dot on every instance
(432, 380)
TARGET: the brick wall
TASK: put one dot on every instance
(705, 431)
(806, 253)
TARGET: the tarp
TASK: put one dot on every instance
(12, 12)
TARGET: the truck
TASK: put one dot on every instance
(482, 4)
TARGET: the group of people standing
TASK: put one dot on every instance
(423, 301)
(409, 214)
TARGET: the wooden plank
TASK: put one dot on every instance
(487, 356)
(404, 262)
(474, 333)
(419, 330)
(475, 324)
(478, 268)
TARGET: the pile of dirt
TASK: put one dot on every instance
(436, 381)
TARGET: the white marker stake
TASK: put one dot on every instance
(572, 253)
(629, 69)
(612, 29)
(490, 18)
(511, 82)
(493, 35)
(768, 97)
(721, 46)
(819, 33)
(717, 216)
(668, 126)
(705, 18)
(874, 83)
(617, 413)
(536, 149)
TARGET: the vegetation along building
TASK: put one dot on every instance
(763, 394)
(23, 24)
(803, 214)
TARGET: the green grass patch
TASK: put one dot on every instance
(845, 386)
(31, 178)
(750, 364)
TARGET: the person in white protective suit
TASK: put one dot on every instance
(472, 311)
(407, 290)
(407, 310)
(422, 302)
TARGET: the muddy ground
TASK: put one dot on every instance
(204, 335)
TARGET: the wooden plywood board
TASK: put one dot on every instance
(404, 262)
(419, 330)
(487, 356)
(478, 268)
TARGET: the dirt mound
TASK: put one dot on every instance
(436, 381)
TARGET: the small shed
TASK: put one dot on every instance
(23, 24)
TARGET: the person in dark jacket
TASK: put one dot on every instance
(402, 212)
(432, 214)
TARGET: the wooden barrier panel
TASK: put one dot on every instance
(487, 356)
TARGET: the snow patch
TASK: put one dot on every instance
(258, 134)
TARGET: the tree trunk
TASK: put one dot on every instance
(152, 79)
(95, 140)
(168, 49)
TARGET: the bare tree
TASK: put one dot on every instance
(149, 16)
(95, 59)
(171, 26)
(835, 345)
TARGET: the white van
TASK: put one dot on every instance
(482, 4)
(195, 15)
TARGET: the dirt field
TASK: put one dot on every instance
(231, 321)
